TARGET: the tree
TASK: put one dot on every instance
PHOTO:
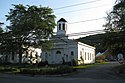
(30, 26)
(115, 27)
(1, 30)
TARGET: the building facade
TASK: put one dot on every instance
(32, 55)
(67, 50)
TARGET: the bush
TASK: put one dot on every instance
(100, 61)
(64, 69)
(72, 63)
(7, 69)
(43, 63)
(48, 70)
(29, 71)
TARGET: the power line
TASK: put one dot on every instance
(86, 20)
(86, 33)
(84, 9)
(76, 5)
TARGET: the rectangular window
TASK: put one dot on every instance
(80, 53)
(88, 56)
(63, 26)
(59, 26)
(12, 55)
(85, 55)
(93, 56)
(72, 54)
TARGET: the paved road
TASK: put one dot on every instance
(98, 74)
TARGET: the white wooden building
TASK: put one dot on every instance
(66, 49)
(32, 55)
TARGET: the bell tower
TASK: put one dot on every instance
(62, 27)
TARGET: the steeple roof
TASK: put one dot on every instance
(62, 20)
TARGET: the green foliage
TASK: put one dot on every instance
(83, 66)
(7, 69)
(100, 61)
(74, 62)
(1, 30)
(116, 18)
(95, 40)
(30, 26)
(115, 28)
(47, 70)
(31, 70)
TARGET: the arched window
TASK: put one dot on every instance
(58, 52)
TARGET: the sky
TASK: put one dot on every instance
(80, 14)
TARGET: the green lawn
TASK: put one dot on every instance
(88, 65)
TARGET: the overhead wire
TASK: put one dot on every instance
(80, 10)
(86, 33)
(76, 4)
(67, 12)
(86, 20)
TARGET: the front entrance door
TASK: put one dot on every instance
(58, 57)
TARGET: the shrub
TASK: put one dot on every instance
(64, 69)
(48, 70)
(29, 71)
(43, 63)
(7, 69)
(74, 62)
(100, 61)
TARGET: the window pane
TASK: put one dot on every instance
(72, 53)
(85, 55)
(59, 26)
(63, 26)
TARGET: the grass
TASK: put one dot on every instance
(82, 66)
(44, 70)
(88, 65)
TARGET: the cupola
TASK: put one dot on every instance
(61, 27)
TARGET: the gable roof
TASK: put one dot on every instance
(62, 20)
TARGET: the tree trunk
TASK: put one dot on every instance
(6, 58)
(20, 56)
